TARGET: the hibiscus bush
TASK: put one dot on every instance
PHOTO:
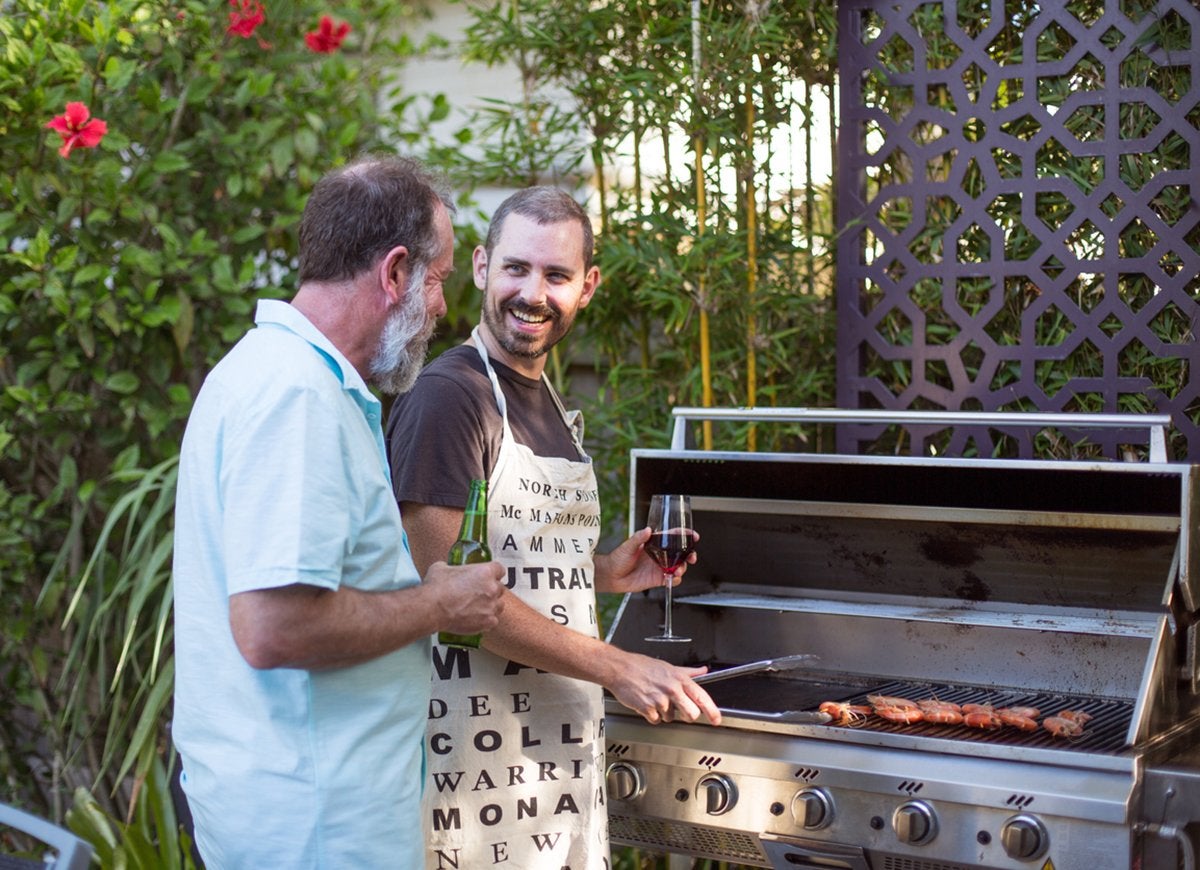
(156, 157)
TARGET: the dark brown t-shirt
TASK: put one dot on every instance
(446, 430)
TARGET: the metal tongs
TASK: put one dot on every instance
(766, 666)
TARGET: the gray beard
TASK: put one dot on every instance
(405, 340)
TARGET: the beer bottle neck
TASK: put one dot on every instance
(474, 522)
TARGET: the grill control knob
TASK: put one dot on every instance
(812, 808)
(624, 781)
(1024, 837)
(915, 823)
(718, 793)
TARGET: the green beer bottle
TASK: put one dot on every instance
(470, 548)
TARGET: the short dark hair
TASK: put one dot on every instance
(359, 212)
(545, 205)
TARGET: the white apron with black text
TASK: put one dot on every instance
(515, 755)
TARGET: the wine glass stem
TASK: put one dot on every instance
(667, 632)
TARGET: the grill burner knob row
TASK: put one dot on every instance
(718, 793)
(1024, 837)
(624, 781)
(915, 823)
(812, 808)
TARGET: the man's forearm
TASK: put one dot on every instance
(308, 627)
(526, 636)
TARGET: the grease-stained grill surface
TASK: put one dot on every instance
(773, 697)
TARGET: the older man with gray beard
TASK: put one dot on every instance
(302, 627)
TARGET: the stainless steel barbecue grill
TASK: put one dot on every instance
(1059, 585)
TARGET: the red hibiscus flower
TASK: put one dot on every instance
(76, 130)
(326, 38)
(245, 17)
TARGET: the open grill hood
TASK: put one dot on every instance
(1075, 578)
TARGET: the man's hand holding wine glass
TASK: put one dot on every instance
(629, 568)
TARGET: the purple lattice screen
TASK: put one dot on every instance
(1019, 205)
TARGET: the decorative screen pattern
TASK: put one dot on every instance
(1019, 200)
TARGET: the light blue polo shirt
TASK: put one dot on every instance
(283, 479)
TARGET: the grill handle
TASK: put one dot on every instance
(788, 853)
(1156, 425)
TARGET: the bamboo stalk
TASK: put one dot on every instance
(701, 292)
(643, 324)
(810, 205)
(751, 271)
(706, 395)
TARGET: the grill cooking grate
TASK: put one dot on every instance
(1104, 733)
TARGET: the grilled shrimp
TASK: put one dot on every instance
(984, 718)
(844, 713)
(1075, 716)
(893, 709)
(890, 701)
(941, 712)
(1024, 718)
(1066, 723)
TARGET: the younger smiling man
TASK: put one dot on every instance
(516, 730)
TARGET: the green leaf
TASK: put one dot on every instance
(181, 328)
(222, 273)
(87, 820)
(282, 152)
(107, 313)
(247, 234)
(306, 144)
(35, 254)
(21, 395)
(170, 161)
(87, 339)
(17, 53)
(122, 382)
(66, 55)
(147, 724)
(37, 660)
(90, 273)
(127, 459)
(348, 134)
(118, 72)
(441, 108)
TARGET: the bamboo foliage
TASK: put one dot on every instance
(715, 232)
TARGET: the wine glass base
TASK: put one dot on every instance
(670, 638)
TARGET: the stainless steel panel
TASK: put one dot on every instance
(972, 798)
(1189, 550)
(1170, 808)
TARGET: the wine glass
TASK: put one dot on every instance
(672, 541)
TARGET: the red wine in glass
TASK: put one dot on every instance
(671, 548)
(670, 519)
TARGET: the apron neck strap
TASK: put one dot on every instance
(502, 402)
